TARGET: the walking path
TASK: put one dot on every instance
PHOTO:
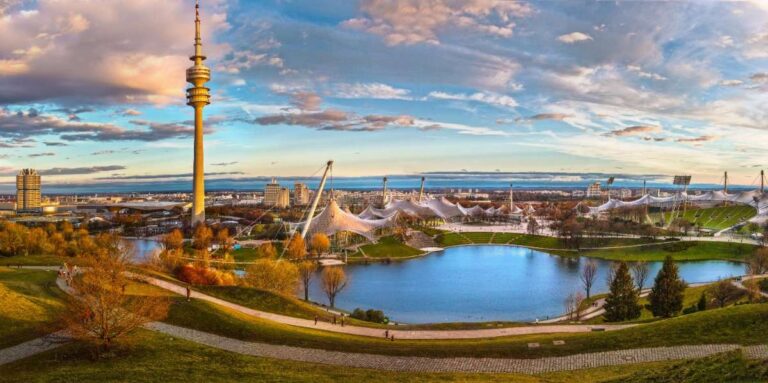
(740, 282)
(32, 347)
(379, 332)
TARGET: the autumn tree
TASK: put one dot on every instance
(666, 297)
(225, 242)
(173, 241)
(724, 292)
(320, 244)
(621, 303)
(202, 237)
(333, 280)
(307, 271)
(100, 312)
(273, 275)
(640, 272)
(267, 250)
(588, 275)
(295, 247)
(757, 263)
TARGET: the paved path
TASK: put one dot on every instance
(32, 347)
(740, 282)
(379, 332)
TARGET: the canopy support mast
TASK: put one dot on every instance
(315, 201)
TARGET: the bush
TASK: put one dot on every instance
(764, 285)
(370, 315)
(197, 275)
(690, 310)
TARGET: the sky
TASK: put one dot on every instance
(93, 90)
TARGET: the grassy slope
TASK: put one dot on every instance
(35, 260)
(28, 300)
(744, 324)
(152, 357)
(388, 247)
(682, 251)
(715, 218)
(729, 367)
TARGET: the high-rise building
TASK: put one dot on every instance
(28, 191)
(300, 194)
(283, 198)
(593, 190)
(272, 193)
(198, 96)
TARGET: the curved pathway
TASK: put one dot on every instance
(379, 332)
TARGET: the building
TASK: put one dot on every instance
(271, 193)
(300, 194)
(198, 96)
(283, 198)
(593, 190)
(28, 191)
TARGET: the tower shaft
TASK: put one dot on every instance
(198, 96)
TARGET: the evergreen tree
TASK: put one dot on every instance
(702, 304)
(621, 303)
(667, 293)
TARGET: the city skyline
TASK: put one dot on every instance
(423, 87)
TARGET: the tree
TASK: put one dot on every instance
(320, 243)
(267, 250)
(533, 226)
(666, 296)
(173, 241)
(701, 305)
(273, 275)
(224, 241)
(295, 247)
(307, 271)
(573, 305)
(724, 292)
(201, 240)
(640, 272)
(621, 303)
(588, 275)
(333, 281)
(757, 263)
(100, 312)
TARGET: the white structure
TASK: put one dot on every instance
(272, 193)
(333, 220)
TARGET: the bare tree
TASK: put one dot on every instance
(99, 312)
(640, 273)
(588, 275)
(723, 292)
(333, 281)
(307, 271)
(573, 305)
(757, 263)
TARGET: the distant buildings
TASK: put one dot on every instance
(300, 194)
(593, 190)
(28, 196)
(275, 195)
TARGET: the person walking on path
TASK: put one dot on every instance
(342, 321)
(334, 319)
(189, 293)
(315, 320)
(386, 334)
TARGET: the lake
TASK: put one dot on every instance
(485, 283)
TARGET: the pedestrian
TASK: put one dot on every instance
(393, 337)
(334, 319)
(342, 321)
(386, 334)
(315, 320)
(189, 293)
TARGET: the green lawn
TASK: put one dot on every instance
(743, 324)
(715, 218)
(35, 260)
(388, 247)
(29, 301)
(245, 254)
(153, 357)
(728, 367)
(680, 251)
(479, 237)
(451, 239)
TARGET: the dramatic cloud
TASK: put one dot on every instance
(94, 51)
(494, 99)
(420, 21)
(371, 90)
(699, 139)
(25, 124)
(307, 101)
(635, 130)
(574, 37)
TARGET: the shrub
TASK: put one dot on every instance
(690, 310)
(764, 285)
(197, 275)
(370, 315)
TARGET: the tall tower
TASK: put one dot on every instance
(28, 191)
(198, 96)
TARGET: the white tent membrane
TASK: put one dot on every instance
(752, 198)
(333, 220)
(436, 208)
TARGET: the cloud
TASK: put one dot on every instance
(25, 124)
(70, 171)
(308, 101)
(574, 37)
(162, 176)
(699, 139)
(545, 116)
(641, 73)
(761, 77)
(130, 112)
(50, 143)
(225, 163)
(635, 130)
(494, 99)
(46, 154)
(420, 21)
(731, 82)
(370, 90)
(93, 51)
